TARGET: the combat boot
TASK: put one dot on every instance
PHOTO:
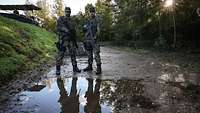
(88, 68)
(57, 70)
(99, 70)
(76, 69)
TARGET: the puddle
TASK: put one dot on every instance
(62, 95)
(138, 88)
(97, 95)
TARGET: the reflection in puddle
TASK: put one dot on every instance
(69, 101)
(63, 95)
(93, 97)
(97, 95)
(37, 88)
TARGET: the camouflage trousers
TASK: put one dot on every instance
(61, 53)
(96, 51)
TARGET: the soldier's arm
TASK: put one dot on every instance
(60, 28)
(74, 36)
(98, 30)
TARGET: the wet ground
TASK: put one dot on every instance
(130, 83)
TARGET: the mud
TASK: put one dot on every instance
(130, 83)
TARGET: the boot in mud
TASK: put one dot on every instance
(57, 70)
(76, 69)
(99, 70)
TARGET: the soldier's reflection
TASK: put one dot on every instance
(69, 102)
(93, 97)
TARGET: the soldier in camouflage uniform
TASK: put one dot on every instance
(69, 101)
(67, 34)
(92, 96)
(91, 41)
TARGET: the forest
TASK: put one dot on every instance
(163, 24)
(147, 60)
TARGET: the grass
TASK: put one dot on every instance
(23, 46)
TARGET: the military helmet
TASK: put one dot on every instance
(92, 9)
(68, 9)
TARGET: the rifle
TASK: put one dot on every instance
(74, 42)
(66, 34)
(93, 39)
(73, 38)
(60, 43)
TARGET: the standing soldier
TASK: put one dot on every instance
(69, 101)
(93, 97)
(67, 35)
(91, 41)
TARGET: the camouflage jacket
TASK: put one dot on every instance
(92, 29)
(65, 29)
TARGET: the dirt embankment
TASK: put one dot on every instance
(23, 46)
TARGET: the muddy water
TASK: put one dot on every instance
(99, 95)
(65, 95)
(130, 83)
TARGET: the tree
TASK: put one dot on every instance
(59, 7)
(149, 21)
(104, 11)
(45, 15)
(28, 13)
(79, 21)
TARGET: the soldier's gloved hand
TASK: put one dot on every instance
(95, 37)
(84, 28)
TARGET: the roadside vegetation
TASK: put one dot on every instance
(23, 46)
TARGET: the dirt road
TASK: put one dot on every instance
(130, 83)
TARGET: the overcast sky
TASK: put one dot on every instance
(76, 5)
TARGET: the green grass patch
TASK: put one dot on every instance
(23, 45)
